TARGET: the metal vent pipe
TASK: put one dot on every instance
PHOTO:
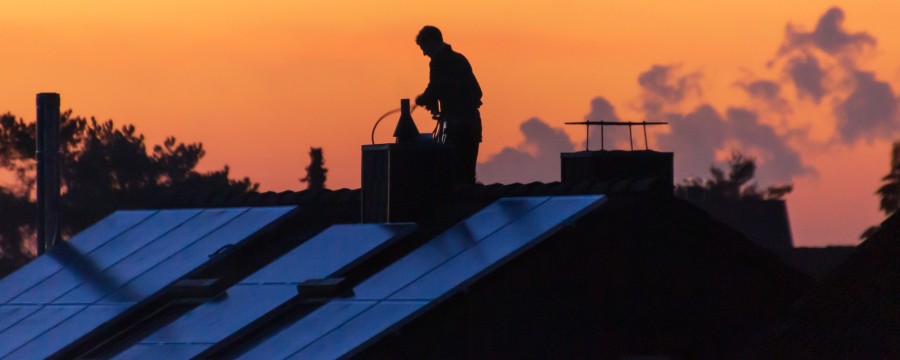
(48, 176)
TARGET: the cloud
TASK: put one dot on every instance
(536, 158)
(763, 89)
(661, 87)
(820, 64)
(869, 112)
(603, 110)
(776, 160)
(808, 77)
(866, 108)
(769, 93)
(697, 136)
(694, 138)
(828, 36)
(828, 43)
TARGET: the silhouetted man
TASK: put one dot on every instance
(453, 89)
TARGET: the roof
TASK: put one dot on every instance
(645, 273)
(853, 313)
(818, 262)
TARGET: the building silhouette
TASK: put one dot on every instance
(607, 263)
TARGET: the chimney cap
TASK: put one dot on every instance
(406, 130)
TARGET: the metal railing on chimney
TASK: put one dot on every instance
(588, 124)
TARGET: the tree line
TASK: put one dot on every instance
(104, 167)
(738, 183)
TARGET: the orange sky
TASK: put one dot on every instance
(260, 82)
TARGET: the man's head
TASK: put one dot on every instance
(429, 40)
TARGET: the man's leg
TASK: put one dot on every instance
(466, 158)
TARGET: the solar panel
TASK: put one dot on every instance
(34, 324)
(90, 267)
(105, 268)
(330, 253)
(198, 252)
(44, 266)
(65, 332)
(422, 279)
(11, 314)
(150, 255)
(164, 351)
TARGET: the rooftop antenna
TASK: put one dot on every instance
(588, 124)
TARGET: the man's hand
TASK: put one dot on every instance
(420, 100)
(429, 104)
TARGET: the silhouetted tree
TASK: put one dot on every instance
(17, 216)
(890, 191)
(104, 168)
(315, 172)
(735, 185)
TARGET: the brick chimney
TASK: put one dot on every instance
(614, 165)
(617, 165)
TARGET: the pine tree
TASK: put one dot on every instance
(315, 172)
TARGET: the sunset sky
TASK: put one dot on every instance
(806, 87)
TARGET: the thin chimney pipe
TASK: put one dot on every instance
(48, 173)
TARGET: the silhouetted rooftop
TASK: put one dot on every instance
(645, 273)
(854, 313)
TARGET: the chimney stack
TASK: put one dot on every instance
(405, 181)
(616, 165)
(48, 163)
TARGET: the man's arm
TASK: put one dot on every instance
(429, 97)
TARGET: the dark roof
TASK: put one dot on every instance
(763, 221)
(853, 314)
(646, 273)
(349, 197)
(818, 262)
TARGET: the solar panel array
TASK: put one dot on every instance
(120, 263)
(331, 253)
(109, 268)
(424, 278)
